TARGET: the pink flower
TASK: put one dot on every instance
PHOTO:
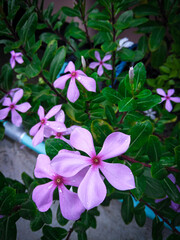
(38, 130)
(70, 205)
(73, 92)
(92, 190)
(15, 57)
(168, 98)
(10, 93)
(101, 63)
(12, 106)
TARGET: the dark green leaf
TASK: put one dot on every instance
(140, 218)
(148, 102)
(110, 114)
(156, 38)
(137, 169)
(100, 25)
(8, 229)
(146, 10)
(71, 12)
(7, 200)
(26, 179)
(154, 189)
(127, 104)
(49, 53)
(53, 233)
(28, 210)
(37, 222)
(127, 209)
(46, 216)
(138, 191)
(171, 190)
(157, 228)
(158, 57)
(109, 46)
(177, 155)
(158, 171)
(144, 93)
(2, 130)
(48, 37)
(61, 220)
(111, 95)
(154, 148)
(33, 69)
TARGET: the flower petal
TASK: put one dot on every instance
(60, 116)
(41, 112)
(170, 92)
(168, 106)
(97, 56)
(43, 196)
(70, 67)
(107, 66)
(175, 99)
(76, 179)
(93, 65)
(34, 129)
(69, 130)
(23, 107)
(53, 111)
(73, 92)
(16, 118)
(88, 82)
(61, 81)
(48, 132)
(100, 70)
(92, 190)
(128, 44)
(19, 59)
(3, 113)
(69, 163)
(12, 62)
(82, 140)
(106, 58)
(57, 126)
(6, 101)
(114, 145)
(43, 168)
(39, 137)
(161, 92)
(122, 41)
(119, 175)
(17, 96)
(70, 205)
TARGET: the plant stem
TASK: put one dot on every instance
(2, 90)
(114, 40)
(69, 233)
(123, 116)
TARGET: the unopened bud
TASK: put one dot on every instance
(83, 62)
(131, 73)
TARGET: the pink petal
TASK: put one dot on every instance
(106, 58)
(18, 54)
(69, 130)
(161, 92)
(107, 66)
(100, 70)
(23, 107)
(119, 175)
(73, 92)
(64, 139)
(34, 129)
(19, 59)
(70, 67)
(82, 140)
(61, 81)
(43, 196)
(76, 179)
(41, 112)
(114, 145)
(81, 73)
(48, 132)
(70, 205)
(93, 65)
(60, 116)
(92, 190)
(6, 101)
(12, 62)
(53, 111)
(43, 168)
(16, 118)
(163, 99)
(39, 137)
(69, 163)
(3, 113)
(88, 82)
(170, 92)
(97, 56)
(168, 106)
(175, 99)
(17, 96)
(13, 53)
(57, 126)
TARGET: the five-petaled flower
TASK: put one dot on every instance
(124, 42)
(13, 107)
(101, 63)
(150, 113)
(70, 205)
(167, 97)
(9, 93)
(92, 190)
(15, 57)
(38, 130)
(73, 92)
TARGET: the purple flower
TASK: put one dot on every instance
(12, 106)
(10, 93)
(15, 57)
(168, 98)
(101, 63)
(38, 130)
(70, 205)
(92, 190)
(73, 92)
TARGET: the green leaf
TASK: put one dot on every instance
(53, 233)
(126, 54)
(139, 76)
(110, 114)
(71, 12)
(177, 155)
(140, 218)
(49, 53)
(127, 209)
(100, 130)
(159, 56)
(109, 46)
(104, 26)
(57, 63)
(154, 148)
(148, 102)
(157, 228)
(144, 93)
(46, 216)
(61, 220)
(37, 222)
(6, 77)
(140, 183)
(2, 131)
(48, 37)
(111, 95)
(137, 169)
(7, 200)
(54, 145)
(158, 171)
(28, 210)
(167, 161)
(146, 10)
(26, 179)
(8, 229)
(127, 104)
(171, 190)
(143, 44)
(154, 188)
(33, 69)
(156, 38)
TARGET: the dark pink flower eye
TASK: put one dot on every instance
(58, 180)
(12, 106)
(73, 74)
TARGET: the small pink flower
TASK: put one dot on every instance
(10, 93)
(38, 130)
(168, 98)
(92, 190)
(101, 63)
(15, 57)
(70, 205)
(12, 106)
(73, 92)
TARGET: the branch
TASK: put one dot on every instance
(2, 90)
(69, 233)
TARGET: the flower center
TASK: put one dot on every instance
(12, 106)
(73, 74)
(58, 134)
(43, 121)
(167, 97)
(95, 160)
(101, 62)
(58, 180)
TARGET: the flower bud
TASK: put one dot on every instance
(131, 73)
(83, 62)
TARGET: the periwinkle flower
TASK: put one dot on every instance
(92, 190)
(73, 92)
(11, 106)
(15, 57)
(9, 93)
(124, 42)
(167, 97)
(70, 205)
(150, 113)
(101, 63)
(38, 130)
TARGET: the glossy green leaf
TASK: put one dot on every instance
(158, 57)
(61, 220)
(148, 102)
(53, 233)
(110, 114)
(144, 93)
(140, 218)
(111, 95)
(157, 228)
(28, 210)
(37, 222)
(71, 12)
(177, 155)
(7, 200)
(156, 38)
(126, 54)
(154, 148)
(154, 188)
(127, 104)
(48, 37)
(127, 209)
(171, 190)
(138, 191)
(49, 53)
(33, 69)
(158, 171)
(8, 229)
(46, 216)
(137, 169)
(100, 25)
(109, 46)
